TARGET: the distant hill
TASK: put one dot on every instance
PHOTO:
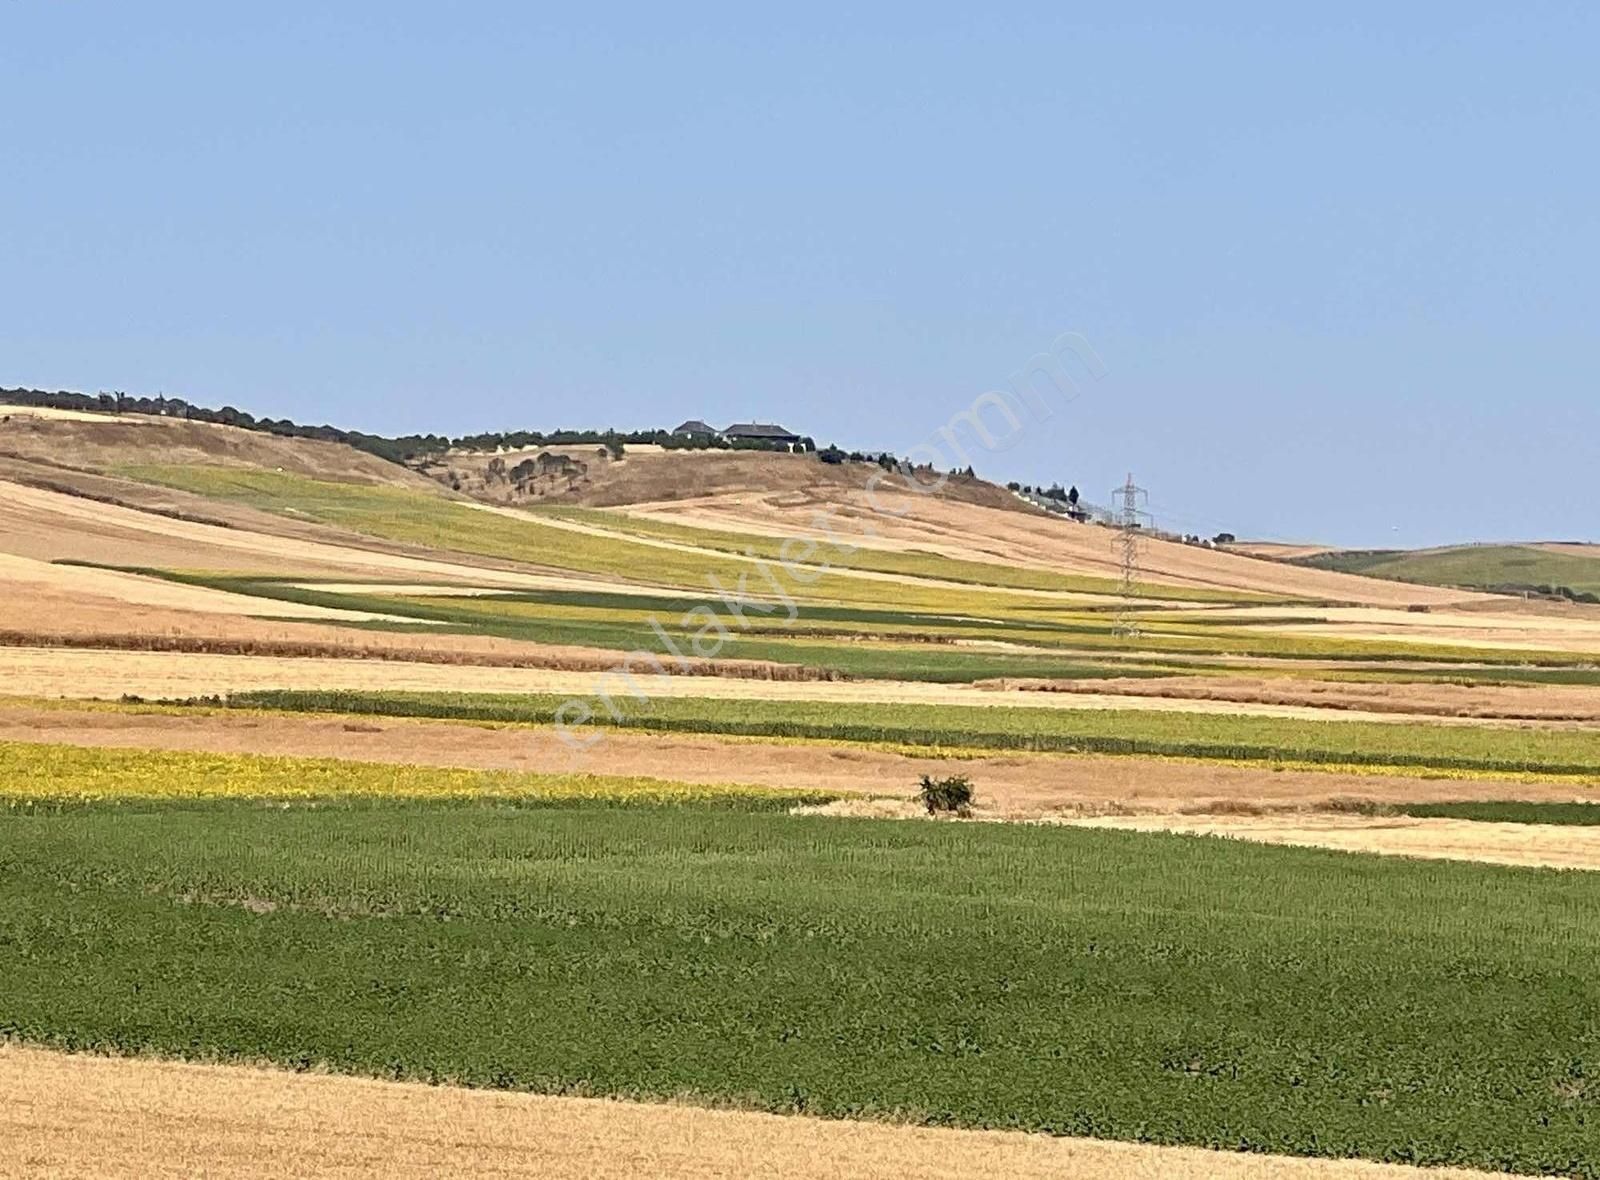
(1555, 570)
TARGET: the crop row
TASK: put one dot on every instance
(1232, 737)
(1167, 989)
(1502, 812)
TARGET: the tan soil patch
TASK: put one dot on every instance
(58, 672)
(1561, 846)
(78, 1116)
(1545, 702)
(1013, 786)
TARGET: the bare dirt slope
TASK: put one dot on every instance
(80, 1116)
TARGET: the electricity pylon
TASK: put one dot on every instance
(1130, 520)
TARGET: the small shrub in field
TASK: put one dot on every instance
(947, 796)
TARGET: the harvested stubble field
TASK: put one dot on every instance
(905, 521)
(902, 566)
(1013, 785)
(27, 578)
(961, 639)
(1505, 750)
(403, 516)
(1553, 846)
(138, 671)
(939, 582)
(323, 528)
(1545, 702)
(79, 1117)
(1078, 982)
(57, 526)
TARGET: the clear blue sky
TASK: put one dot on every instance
(1342, 265)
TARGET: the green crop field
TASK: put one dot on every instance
(1156, 988)
(1229, 737)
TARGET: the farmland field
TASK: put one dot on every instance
(621, 606)
(77, 1115)
(1152, 988)
(305, 806)
(936, 642)
(52, 774)
(410, 517)
(847, 556)
(1285, 740)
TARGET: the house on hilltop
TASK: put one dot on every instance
(694, 428)
(760, 432)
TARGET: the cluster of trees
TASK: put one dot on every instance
(399, 449)
(1055, 491)
(518, 440)
(396, 450)
(833, 454)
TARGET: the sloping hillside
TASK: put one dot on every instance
(1571, 570)
(902, 521)
(181, 468)
(588, 475)
(108, 444)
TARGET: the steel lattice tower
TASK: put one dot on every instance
(1130, 519)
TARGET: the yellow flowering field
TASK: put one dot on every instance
(30, 771)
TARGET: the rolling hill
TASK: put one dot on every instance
(1562, 570)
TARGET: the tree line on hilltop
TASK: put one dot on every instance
(396, 449)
